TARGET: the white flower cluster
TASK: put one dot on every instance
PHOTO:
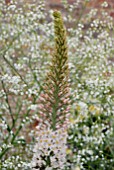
(50, 150)
(104, 4)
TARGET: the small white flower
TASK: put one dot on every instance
(104, 4)
(49, 141)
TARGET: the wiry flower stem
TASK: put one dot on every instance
(54, 103)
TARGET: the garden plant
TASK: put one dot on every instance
(56, 86)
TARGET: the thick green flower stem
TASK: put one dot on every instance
(54, 103)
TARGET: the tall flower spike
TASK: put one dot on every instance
(54, 103)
